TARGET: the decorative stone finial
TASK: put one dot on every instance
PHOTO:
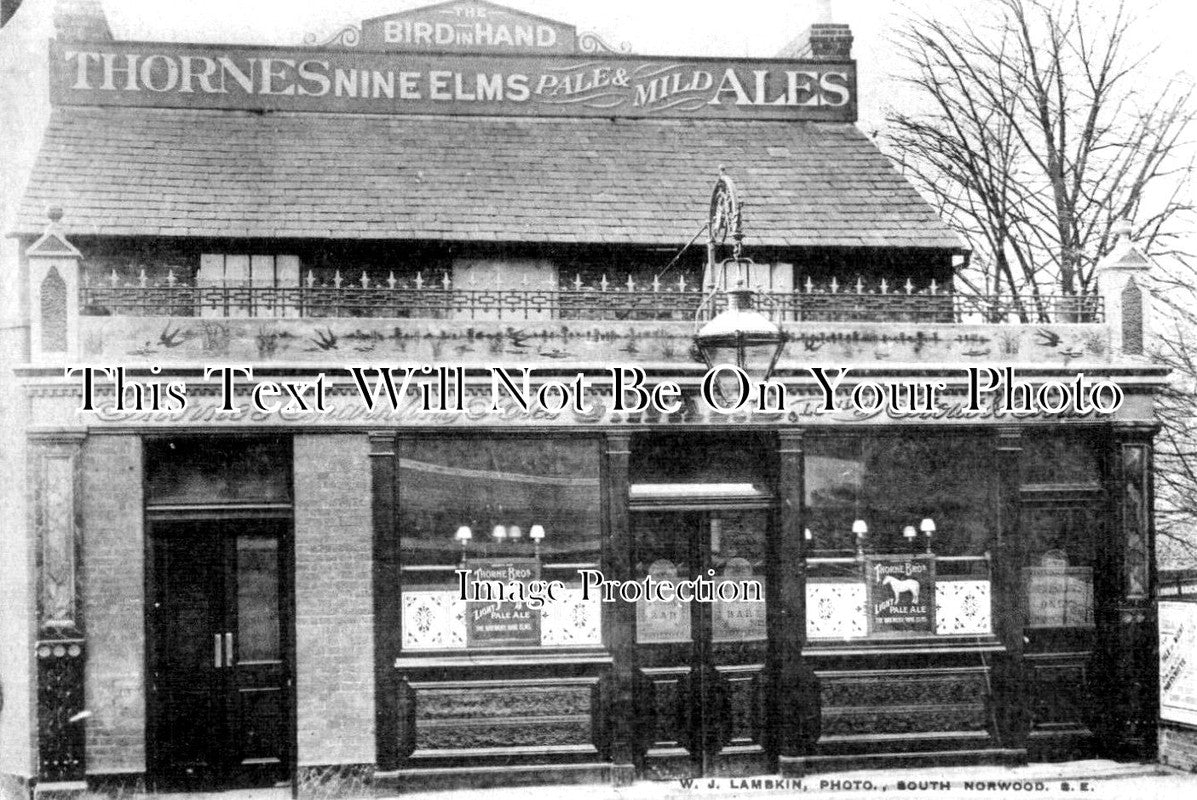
(55, 214)
(1121, 277)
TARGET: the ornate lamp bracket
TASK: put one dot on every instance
(725, 218)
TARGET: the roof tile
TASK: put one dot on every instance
(214, 173)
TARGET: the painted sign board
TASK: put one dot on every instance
(1178, 661)
(502, 623)
(359, 82)
(901, 595)
(467, 26)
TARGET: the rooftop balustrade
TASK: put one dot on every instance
(677, 300)
(90, 309)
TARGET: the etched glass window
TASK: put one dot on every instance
(899, 527)
(508, 510)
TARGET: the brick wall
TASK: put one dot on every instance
(334, 620)
(113, 609)
(1178, 746)
(16, 603)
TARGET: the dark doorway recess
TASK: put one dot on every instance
(219, 653)
(703, 682)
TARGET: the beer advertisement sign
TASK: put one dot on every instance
(467, 83)
(502, 622)
(901, 595)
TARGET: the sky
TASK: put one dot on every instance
(758, 28)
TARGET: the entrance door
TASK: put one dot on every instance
(220, 681)
(702, 683)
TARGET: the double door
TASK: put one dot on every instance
(703, 682)
(219, 673)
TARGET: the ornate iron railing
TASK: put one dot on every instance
(678, 301)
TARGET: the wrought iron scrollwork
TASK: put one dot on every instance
(593, 43)
(725, 216)
(349, 36)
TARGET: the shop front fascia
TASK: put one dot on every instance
(1025, 587)
(247, 596)
(1002, 636)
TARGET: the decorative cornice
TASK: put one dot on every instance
(382, 443)
(59, 436)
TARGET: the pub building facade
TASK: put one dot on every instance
(217, 596)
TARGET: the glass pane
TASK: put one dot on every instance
(1058, 576)
(663, 553)
(737, 540)
(834, 471)
(884, 510)
(894, 482)
(209, 469)
(257, 599)
(1061, 457)
(947, 479)
(528, 508)
(742, 457)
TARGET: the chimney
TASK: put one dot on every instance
(81, 21)
(823, 40)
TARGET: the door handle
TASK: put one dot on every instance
(228, 649)
(216, 657)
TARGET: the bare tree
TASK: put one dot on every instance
(1038, 124)
(1175, 345)
(1037, 131)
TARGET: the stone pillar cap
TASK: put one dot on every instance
(1125, 255)
(53, 241)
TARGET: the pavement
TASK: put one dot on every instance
(1074, 780)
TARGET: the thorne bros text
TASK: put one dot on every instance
(726, 389)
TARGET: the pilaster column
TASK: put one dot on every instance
(1011, 713)
(54, 479)
(1132, 643)
(797, 688)
(384, 449)
(621, 617)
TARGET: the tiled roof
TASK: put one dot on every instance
(157, 172)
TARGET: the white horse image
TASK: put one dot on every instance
(898, 586)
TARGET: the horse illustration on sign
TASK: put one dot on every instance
(898, 586)
(901, 593)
